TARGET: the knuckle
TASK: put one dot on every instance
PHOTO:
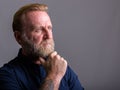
(65, 62)
(53, 54)
(57, 56)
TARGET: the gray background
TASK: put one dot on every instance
(87, 35)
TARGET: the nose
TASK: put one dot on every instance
(47, 34)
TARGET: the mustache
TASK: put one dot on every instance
(48, 41)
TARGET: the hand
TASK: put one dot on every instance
(55, 65)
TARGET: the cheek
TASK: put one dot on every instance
(37, 39)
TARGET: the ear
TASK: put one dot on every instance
(18, 38)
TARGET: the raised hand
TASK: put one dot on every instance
(55, 67)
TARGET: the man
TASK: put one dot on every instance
(38, 66)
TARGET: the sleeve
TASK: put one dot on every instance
(73, 81)
(8, 80)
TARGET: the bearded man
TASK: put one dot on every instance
(38, 66)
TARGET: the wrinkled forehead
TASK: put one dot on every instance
(36, 14)
(36, 17)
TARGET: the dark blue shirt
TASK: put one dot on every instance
(21, 74)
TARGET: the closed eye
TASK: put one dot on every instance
(50, 27)
(38, 29)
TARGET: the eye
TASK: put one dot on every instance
(50, 27)
(38, 29)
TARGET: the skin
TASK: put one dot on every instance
(38, 28)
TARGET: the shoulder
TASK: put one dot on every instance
(8, 70)
(7, 77)
(11, 75)
(9, 67)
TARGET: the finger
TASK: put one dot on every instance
(53, 54)
(42, 61)
(57, 57)
(62, 58)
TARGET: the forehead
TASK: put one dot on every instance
(36, 17)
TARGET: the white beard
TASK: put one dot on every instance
(45, 48)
